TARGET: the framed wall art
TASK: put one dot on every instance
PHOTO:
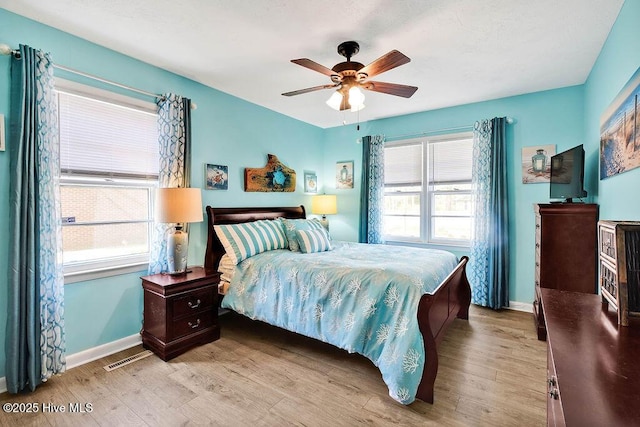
(310, 182)
(344, 175)
(620, 131)
(536, 163)
(217, 177)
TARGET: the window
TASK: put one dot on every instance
(427, 190)
(109, 169)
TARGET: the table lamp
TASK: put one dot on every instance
(324, 204)
(179, 206)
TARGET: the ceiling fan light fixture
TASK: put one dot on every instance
(356, 99)
(335, 101)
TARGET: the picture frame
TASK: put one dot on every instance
(344, 175)
(216, 177)
(2, 140)
(620, 131)
(310, 182)
(536, 163)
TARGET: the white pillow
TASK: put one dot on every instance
(226, 268)
(311, 241)
(242, 241)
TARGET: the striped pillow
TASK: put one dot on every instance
(242, 241)
(313, 241)
(292, 225)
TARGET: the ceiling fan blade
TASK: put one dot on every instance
(309, 89)
(386, 62)
(312, 65)
(390, 88)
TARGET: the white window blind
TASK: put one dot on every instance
(451, 161)
(403, 165)
(91, 144)
(437, 213)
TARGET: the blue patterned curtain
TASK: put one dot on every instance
(489, 259)
(174, 137)
(35, 344)
(372, 192)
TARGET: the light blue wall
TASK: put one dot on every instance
(551, 117)
(226, 130)
(618, 61)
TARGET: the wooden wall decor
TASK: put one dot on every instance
(274, 176)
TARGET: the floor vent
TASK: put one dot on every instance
(128, 360)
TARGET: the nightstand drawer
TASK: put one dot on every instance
(192, 324)
(194, 301)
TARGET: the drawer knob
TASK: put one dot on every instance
(554, 394)
(194, 325)
(194, 305)
(552, 381)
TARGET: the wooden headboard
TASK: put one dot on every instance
(238, 215)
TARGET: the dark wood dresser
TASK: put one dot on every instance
(593, 364)
(566, 251)
(180, 312)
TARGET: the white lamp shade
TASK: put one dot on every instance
(325, 204)
(356, 99)
(335, 101)
(178, 205)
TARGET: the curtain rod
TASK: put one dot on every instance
(109, 82)
(436, 131)
(6, 50)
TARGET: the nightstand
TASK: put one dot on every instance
(180, 312)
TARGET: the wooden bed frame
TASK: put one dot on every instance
(436, 311)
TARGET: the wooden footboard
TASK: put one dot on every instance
(435, 312)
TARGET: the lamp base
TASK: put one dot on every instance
(177, 248)
(325, 222)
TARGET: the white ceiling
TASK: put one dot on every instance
(461, 51)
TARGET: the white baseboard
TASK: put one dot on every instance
(91, 354)
(520, 306)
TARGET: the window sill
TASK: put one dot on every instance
(443, 246)
(100, 273)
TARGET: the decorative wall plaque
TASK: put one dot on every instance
(274, 176)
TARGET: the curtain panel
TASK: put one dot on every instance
(372, 190)
(488, 270)
(35, 343)
(174, 144)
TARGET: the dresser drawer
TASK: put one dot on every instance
(191, 324)
(194, 301)
(607, 239)
(609, 283)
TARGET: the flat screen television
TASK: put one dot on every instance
(567, 175)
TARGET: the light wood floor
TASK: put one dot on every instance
(492, 373)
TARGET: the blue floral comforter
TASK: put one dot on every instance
(359, 297)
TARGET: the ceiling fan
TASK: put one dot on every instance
(349, 76)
